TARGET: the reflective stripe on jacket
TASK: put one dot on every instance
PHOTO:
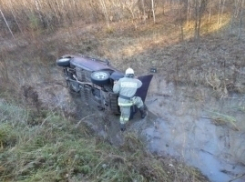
(127, 86)
(123, 104)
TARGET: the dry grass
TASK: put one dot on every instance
(56, 150)
(224, 119)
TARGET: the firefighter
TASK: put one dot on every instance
(126, 87)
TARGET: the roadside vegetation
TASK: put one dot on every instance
(48, 147)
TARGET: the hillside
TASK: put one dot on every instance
(195, 102)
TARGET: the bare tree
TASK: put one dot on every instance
(200, 7)
(163, 6)
(221, 10)
(147, 8)
(241, 17)
(55, 12)
(153, 10)
(143, 5)
(131, 6)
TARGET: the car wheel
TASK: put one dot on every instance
(100, 77)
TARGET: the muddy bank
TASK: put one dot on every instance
(205, 133)
(185, 123)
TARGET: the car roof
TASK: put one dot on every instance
(90, 64)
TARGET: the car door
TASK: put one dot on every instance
(142, 91)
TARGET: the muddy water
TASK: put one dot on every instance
(184, 128)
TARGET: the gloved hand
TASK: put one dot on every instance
(142, 112)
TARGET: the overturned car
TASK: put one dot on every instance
(93, 79)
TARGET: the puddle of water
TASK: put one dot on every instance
(184, 131)
(199, 146)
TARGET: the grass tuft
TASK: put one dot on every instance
(224, 119)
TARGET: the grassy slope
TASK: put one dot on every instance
(48, 147)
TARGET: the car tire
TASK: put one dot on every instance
(100, 77)
(64, 62)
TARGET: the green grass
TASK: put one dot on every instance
(54, 149)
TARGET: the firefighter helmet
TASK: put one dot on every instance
(129, 71)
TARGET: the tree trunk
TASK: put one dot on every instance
(153, 11)
(163, 7)
(200, 8)
(143, 7)
(197, 18)
(241, 18)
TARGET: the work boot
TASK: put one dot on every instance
(122, 127)
(142, 112)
